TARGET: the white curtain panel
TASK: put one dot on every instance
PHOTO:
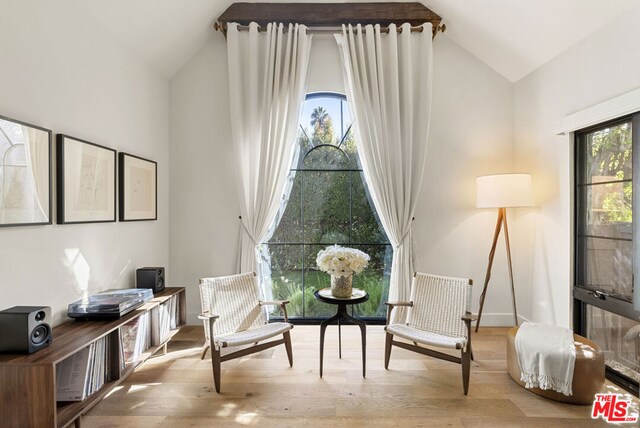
(388, 82)
(37, 154)
(267, 76)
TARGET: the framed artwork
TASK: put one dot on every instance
(86, 189)
(138, 188)
(25, 173)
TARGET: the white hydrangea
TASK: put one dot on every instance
(342, 261)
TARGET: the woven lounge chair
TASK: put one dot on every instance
(233, 315)
(438, 317)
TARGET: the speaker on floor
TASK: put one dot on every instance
(150, 277)
(25, 329)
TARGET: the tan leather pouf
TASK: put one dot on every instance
(588, 375)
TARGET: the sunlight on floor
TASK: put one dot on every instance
(174, 355)
(634, 402)
(227, 409)
(114, 390)
(136, 388)
(247, 418)
(132, 389)
(613, 389)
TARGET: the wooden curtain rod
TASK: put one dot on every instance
(329, 30)
(329, 17)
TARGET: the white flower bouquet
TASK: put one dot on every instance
(341, 261)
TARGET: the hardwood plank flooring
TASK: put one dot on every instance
(176, 390)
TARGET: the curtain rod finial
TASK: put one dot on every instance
(220, 26)
(442, 28)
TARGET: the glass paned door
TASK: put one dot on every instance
(604, 242)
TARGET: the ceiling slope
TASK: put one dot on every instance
(163, 33)
(514, 37)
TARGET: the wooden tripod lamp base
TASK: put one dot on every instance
(502, 191)
(502, 221)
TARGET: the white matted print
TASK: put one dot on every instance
(25, 173)
(138, 188)
(86, 181)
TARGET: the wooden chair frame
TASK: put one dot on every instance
(216, 356)
(466, 353)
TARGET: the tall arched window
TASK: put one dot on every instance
(326, 203)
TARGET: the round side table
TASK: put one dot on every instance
(358, 296)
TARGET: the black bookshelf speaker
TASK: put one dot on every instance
(25, 329)
(150, 277)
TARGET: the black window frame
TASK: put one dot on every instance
(583, 295)
(356, 170)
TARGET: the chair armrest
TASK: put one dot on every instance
(208, 315)
(273, 302)
(391, 305)
(401, 303)
(281, 303)
(211, 319)
(469, 317)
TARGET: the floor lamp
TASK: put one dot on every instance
(502, 191)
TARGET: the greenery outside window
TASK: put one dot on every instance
(326, 203)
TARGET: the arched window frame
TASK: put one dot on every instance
(353, 169)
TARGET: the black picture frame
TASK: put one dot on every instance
(137, 188)
(86, 181)
(49, 175)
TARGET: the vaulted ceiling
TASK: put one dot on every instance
(514, 37)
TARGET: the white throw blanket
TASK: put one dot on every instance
(547, 356)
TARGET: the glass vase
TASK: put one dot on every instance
(341, 286)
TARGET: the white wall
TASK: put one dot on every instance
(59, 70)
(204, 211)
(471, 130)
(470, 136)
(603, 65)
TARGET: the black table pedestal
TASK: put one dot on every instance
(343, 316)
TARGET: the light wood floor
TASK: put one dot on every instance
(176, 390)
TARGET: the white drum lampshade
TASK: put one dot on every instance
(504, 190)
